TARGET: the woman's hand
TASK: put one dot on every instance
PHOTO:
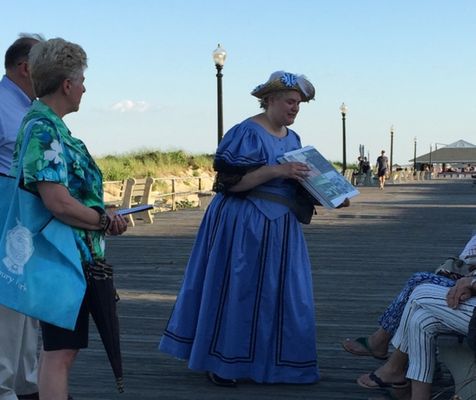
(117, 226)
(293, 170)
(345, 203)
(460, 292)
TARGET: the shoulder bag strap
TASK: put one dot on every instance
(26, 138)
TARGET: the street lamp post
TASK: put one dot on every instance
(219, 57)
(414, 155)
(391, 148)
(343, 110)
(436, 149)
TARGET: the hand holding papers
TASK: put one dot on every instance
(323, 182)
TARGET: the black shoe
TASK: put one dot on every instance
(219, 381)
(31, 396)
(34, 396)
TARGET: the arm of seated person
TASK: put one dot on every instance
(471, 261)
(462, 291)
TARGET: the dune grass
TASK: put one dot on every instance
(153, 163)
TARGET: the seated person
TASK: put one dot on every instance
(430, 310)
(376, 345)
(366, 171)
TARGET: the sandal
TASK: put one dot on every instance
(394, 394)
(364, 342)
(380, 384)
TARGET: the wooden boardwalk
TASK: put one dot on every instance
(361, 256)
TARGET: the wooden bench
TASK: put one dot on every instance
(395, 177)
(134, 192)
(204, 199)
(460, 361)
(349, 175)
(116, 189)
(405, 175)
(420, 175)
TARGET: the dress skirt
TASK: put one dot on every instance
(245, 309)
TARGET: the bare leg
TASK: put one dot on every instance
(378, 343)
(54, 373)
(421, 390)
(393, 371)
(395, 368)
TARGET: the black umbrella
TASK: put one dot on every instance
(102, 298)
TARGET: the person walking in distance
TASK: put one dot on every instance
(382, 166)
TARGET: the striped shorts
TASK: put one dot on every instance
(424, 317)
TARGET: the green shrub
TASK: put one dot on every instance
(185, 204)
(152, 163)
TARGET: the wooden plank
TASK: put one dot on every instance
(361, 257)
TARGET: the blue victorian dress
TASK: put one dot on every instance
(246, 309)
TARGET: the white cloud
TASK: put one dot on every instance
(131, 106)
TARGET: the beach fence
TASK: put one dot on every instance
(165, 193)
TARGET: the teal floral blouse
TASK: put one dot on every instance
(54, 155)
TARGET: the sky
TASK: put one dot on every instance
(151, 81)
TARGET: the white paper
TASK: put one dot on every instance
(323, 182)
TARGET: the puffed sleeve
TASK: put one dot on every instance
(44, 159)
(240, 151)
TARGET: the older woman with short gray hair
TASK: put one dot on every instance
(51, 64)
(70, 186)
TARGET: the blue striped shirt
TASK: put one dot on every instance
(14, 103)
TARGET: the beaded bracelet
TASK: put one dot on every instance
(104, 221)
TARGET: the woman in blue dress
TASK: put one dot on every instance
(245, 309)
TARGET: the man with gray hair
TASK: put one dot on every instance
(18, 333)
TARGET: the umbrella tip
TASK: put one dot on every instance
(120, 385)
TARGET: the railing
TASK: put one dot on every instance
(454, 174)
(169, 193)
(199, 185)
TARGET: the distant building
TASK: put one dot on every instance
(458, 154)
